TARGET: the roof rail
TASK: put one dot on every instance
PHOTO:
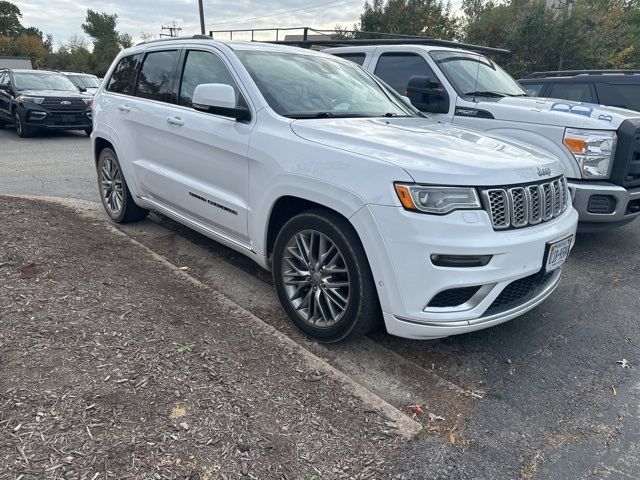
(168, 39)
(311, 37)
(573, 73)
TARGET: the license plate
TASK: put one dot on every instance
(557, 253)
(68, 118)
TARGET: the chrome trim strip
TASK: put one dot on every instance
(206, 230)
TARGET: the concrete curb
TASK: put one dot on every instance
(403, 425)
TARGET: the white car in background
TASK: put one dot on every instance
(84, 81)
(361, 207)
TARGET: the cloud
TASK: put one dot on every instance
(63, 18)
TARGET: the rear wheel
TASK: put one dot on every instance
(114, 193)
(323, 279)
(21, 129)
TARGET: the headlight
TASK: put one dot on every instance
(592, 149)
(437, 200)
(24, 98)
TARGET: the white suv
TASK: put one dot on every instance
(362, 207)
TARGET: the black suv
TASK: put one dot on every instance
(35, 99)
(615, 88)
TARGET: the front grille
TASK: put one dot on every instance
(60, 103)
(633, 172)
(453, 297)
(514, 293)
(524, 205)
(67, 118)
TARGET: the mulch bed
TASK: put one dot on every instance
(114, 366)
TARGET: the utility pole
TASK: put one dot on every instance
(173, 30)
(201, 6)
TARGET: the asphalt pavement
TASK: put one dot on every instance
(542, 396)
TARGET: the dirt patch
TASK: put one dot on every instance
(113, 366)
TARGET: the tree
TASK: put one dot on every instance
(409, 17)
(10, 16)
(107, 42)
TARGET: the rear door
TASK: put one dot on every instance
(5, 96)
(200, 165)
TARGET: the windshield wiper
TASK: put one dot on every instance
(485, 94)
(302, 115)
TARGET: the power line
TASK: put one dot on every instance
(173, 31)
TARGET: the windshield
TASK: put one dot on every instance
(314, 86)
(474, 74)
(42, 81)
(86, 81)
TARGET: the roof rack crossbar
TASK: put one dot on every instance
(572, 73)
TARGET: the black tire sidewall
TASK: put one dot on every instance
(21, 129)
(107, 152)
(360, 278)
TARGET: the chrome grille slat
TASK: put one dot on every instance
(525, 205)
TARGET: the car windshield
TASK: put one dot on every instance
(85, 81)
(314, 86)
(42, 81)
(474, 74)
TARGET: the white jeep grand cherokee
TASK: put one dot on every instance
(362, 207)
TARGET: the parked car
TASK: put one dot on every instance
(597, 146)
(360, 206)
(85, 82)
(35, 99)
(614, 88)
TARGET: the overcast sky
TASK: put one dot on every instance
(62, 18)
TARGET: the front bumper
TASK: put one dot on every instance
(625, 204)
(53, 120)
(407, 280)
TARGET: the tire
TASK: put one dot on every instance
(114, 192)
(88, 131)
(331, 319)
(21, 129)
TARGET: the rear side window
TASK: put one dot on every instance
(4, 78)
(352, 57)
(155, 80)
(578, 92)
(532, 89)
(624, 96)
(203, 67)
(124, 74)
(396, 69)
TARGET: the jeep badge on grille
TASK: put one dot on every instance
(544, 172)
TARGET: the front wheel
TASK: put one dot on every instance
(21, 129)
(88, 131)
(114, 193)
(322, 277)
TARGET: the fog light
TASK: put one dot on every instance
(602, 204)
(460, 261)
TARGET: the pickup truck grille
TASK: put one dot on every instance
(56, 103)
(633, 172)
(524, 205)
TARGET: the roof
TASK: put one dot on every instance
(25, 70)
(393, 48)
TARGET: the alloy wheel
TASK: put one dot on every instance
(111, 185)
(316, 278)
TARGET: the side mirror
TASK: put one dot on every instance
(427, 95)
(219, 99)
(82, 89)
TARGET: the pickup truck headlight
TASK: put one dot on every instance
(437, 200)
(592, 149)
(24, 98)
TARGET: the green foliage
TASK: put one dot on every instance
(107, 42)
(10, 16)
(409, 17)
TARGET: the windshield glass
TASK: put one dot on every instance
(310, 86)
(474, 74)
(86, 81)
(42, 81)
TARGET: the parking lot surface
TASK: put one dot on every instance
(543, 396)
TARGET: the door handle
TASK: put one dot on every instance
(175, 121)
(124, 108)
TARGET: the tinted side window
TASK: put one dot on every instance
(624, 96)
(204, 67)
(155, 80)
(352, 57)
(123, 75)
(578, 92)
(396, 69)
(532, 89)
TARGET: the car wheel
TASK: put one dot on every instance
(114, 193)
(88, 131)
(322, 277)
(21, 129)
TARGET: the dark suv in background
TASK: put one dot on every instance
(34, 99)
(615, 88)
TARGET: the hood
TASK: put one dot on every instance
(562, 113)
(432, 152)
(52, 93)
